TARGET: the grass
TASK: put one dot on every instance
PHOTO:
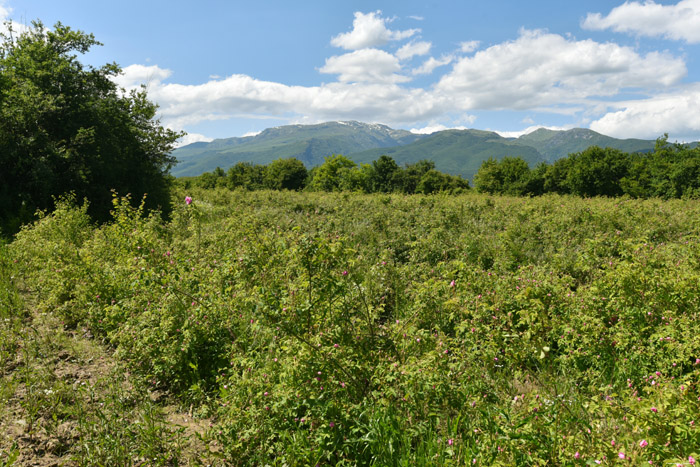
(64, 400)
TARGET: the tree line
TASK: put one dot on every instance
(337, 173)
(669, 171)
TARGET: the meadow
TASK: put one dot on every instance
(383, 329)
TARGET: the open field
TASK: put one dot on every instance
(347, 329)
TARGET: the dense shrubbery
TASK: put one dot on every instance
(337, 173)
(347, 329)
(66, 127)
(670, 171)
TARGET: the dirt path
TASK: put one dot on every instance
(65, 401)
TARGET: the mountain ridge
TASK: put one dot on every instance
(458, 152)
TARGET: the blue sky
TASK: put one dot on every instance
(230, 68)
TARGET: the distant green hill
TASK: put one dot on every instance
(554, 145)
(309, 143)
(458, 152)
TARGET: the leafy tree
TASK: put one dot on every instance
(355, 178)
(385, 174)
(509, 176)
(413, 173)
(556, 175)
(246, 175)
(597, 172)
(66, 127)
(285, 174)
(327, 177)
(433, 181)
(212, 179)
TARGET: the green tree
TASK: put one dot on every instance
(67, 127)
(385, 174)
(509, 176)
(285, 174)
(327, 177)
(597, 172)
(245, 175)
(413, 173)
(433, 181)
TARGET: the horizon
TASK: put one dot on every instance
(622, 69)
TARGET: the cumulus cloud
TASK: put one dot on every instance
(675, 113)
(412, 49)
(5, 12)
(543, 69)
(365, 65)
(429, 65)
(530, 129)
(369, 30)
(678, 22)
(190, 138)
(469, 46)
(434, 128)
(136, 75)
(246, 97)
(537, 71)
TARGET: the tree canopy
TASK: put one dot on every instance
(67, 127)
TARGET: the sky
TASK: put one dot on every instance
(219, 69)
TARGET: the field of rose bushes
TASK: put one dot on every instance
(393, 330)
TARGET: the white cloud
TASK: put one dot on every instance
(412, 49)
(674, 113)
(434, 128)
(246, 97)
(468, 47)
(134, 76)
(543, 69)
(530, 129)
(429, 65)
(190, 138)
(5, 12)
(365, 65)
(678, 22)
(537, 71)
(369, 30)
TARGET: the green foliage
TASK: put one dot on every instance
(246, 175)
(671, 171)
(597, 172)
(429, 330)
(330, 175)
(384, 177)
(66, 127)
(510, 176)
(286, 174)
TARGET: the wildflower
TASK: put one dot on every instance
(577, 455)
(450, 441)
(452, 284)
(654, 409)
(643, 443)
(691, 460)
(332, 424)
(188, 200)
(621, 455)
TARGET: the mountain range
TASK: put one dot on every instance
(458, 152)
